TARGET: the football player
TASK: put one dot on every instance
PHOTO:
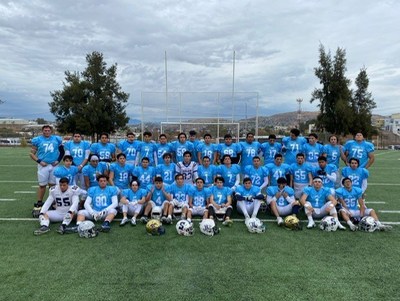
(206, 149)
(292, 145)
(47, 151)
(318, 202)
(167, 169)
(230, 172)
(327, 172)
(228, 148)
(207, 171)
(120, 172)
(147, 149)
(361, 150)
(92, 170)
(145, 173)
(163, 147)
(132, 200)
(181, 146)
(104, 150)
(66, 200)
(220, 201)
(249, 149)
(353, 205)
(187, 168)
(199, 198)
(179, 192)
(313, 150)
(358, 175)
(277, 170)
(130, 147)
(248, 198)
(281, 200)
(100, 204)
(300, 175)
(257, 173)
(270, 149)
(67, 170)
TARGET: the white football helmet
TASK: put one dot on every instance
(184, 227)
(87, 229)
(368, 224)
(255, 225)
(328, 223)
(207, 227)
(156, 213)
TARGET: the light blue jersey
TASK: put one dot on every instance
(333, 154)
(359, 150)
(281, 201)
(317, 198)
(357, 175)
(269, 151)
(157, 196)
(324, 173)
(161, 150)
(276, 172)
(301, 172)
(349, 197)
(291, 147)
(105, 152)
(145, 175)
(149, 150)
(91, 172)
(229, 174)
(199, 197)
(101, 197)
(312, 152)
(256, 175)
(122, 174)
(233, 150)
(207, 174)
(167, 172)
(130, 149)
(208, 150)
(252, 192)
(180, 193)
(180, 148)
(134, 196)
(220, 195)
(249, 151)
(64, 172)
(79, 151)
(47, 148)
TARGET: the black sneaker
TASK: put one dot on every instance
(41, 230)
(105, 227)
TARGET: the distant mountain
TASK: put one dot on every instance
(288, 119)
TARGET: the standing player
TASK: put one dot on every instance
(130, 147)
(132, 200)
(166, 170)
(100, 204)
(220, 202)
(206, 149)
(361, 150)
(281, 200)
(80, 151)
(249, 149)
(229, 148)
(47, 151)
(270, 149)
(312, 150)
(318, 202)
(333, 152)
(163, 147)
(207, 171)
(354, 206)
(181, 146)
(147, 149)
(195, 142)
(300, 175)
(104, 150)
(248, 198)
(292, 145)
(199, 198)
(187, 168)
(66, 199)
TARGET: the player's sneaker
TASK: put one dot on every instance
(61, 229)
(144, 219)
(311, 224)
(169, 220)
(353, 227)
(164, 219)
(133, 221)
(105, 227)
(279, 221)
(41, 230)
(227, 222)
(36, 209)
(341, 227)
(124, 221)
(382, 227)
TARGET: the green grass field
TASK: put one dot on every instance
(127, 264)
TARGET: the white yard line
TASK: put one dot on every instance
(24, 192)
(389, 211)
(18, 181)
(7, 200)
(375, 202)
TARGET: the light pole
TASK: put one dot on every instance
(299, 101)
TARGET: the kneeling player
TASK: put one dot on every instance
(158, 201)
(248, 198)
(100, 204)
(221, 201)
(132, 201)
(281, 200)
(199, 198)
(66, 199)
(351, 198)
(318, 202)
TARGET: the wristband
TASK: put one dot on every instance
(38, 161)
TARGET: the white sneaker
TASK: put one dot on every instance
(353, 227)
(124, 221)
(341, 227)
(383, 227)
(279, 221)
(133, 221)
(311, 224)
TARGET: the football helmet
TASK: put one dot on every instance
(368, 224)
(292, 223)
(207, 227)
(87, 229)
(156, 213)
(255, 225)
(328, 223)
(184, 227)
(154, 227)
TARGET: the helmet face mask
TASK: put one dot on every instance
(329, 224)
(292, 223)
(87, 229)
(154, 227)
(207, 227)
(185, 228)
(368, 224)
(255, 225)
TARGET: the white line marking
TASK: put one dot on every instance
(25, 192)
(7, 200)
(375, 202)
(7, 165)
(389, 211)
(18, 181)
(384, 184)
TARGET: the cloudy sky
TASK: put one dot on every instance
(275, 43)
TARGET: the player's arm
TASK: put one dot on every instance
(47, 204)
(228, 201)
(362, 206)
(88, 205)
(265, 183)
(142, 200)
(212, 202)
(114, 203)
(111, 178)
(75, 203)
(371, 160)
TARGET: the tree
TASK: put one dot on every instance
(335, 95)
(41, 121)
(363, 104)
(92, 101)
